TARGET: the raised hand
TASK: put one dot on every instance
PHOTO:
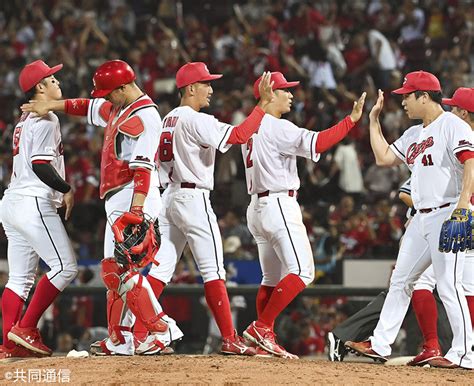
(266, 88)
(375, 112)
(358, 108)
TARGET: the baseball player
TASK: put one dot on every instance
(129, 182)
(361, 325)
(273, 216)
(187, 154)
(30, 219)
(439, 153)
(423, 301)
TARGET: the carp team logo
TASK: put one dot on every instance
(415, 149)
(404, 81)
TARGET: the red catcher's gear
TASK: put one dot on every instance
(110, 76)
(115, 173)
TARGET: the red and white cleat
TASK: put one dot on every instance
(30, 338)
(18, 352)
(236, 346)
(265, 338)
(425, 356)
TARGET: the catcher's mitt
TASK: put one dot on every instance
(140, 244)
(456, 232)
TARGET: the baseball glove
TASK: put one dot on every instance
(456, 232)
(140, 244)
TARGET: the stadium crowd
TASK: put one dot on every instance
(337, 49)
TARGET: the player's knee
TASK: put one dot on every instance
(21, 284)
(111, 273)
(69, 272)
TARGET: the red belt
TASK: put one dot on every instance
(291, 193)
(428, 210)
(188, 185)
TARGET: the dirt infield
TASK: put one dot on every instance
(188, 369)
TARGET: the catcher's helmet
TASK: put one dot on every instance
(140, 245)
(111, 75)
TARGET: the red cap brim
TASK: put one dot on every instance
(403, 90)
(100, 93)
(54, 70)
(288, 85)
(449, 102)
(211, 77)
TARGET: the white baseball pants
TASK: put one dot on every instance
(276, 223)
(419, 249)
(187, 217)
(34, 230)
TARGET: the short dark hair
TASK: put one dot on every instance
(436, 96)
(182, 91)
(471, 116)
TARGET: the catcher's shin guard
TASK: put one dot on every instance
(111, 275)
(139, 302)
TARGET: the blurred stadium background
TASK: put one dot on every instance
(336, 48)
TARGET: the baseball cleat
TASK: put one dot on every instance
(425, 356)
(18, 352)
(30, 338)
(99, 348)
(266, 339)
(336, 349)
(236, 346)
(443, 363)
(364, 349)
(150, 346)
(261, 353)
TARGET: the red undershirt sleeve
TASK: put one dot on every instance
(141, 180)
(241, 134)
(329, 137)
(77, 106)
(464, 155)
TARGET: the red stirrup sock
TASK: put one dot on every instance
(218, 301)
(263, 296)
(43, 297)
(424, 305)
(285, 291)
(12, 305)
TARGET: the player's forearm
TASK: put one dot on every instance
(241, 134)
(77, 106)
(48, 175)
(141, 182)
(467, 184)
(379, 144)
(329, 137)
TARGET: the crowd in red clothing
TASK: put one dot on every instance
(336, 49)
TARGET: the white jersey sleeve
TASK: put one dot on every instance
(98, 112)
(406, 187)
(401, 145)
(144, 152)
(295, 141)
(459, 136)
(44, 146)
(209, 131)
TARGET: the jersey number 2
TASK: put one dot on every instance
(249, 162)
(427, 160)
(166, 147)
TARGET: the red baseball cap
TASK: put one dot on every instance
(194, 72)
(463, 98)
(34, 72)
(418, 81)
(278, 80)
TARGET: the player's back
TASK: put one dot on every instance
(188, 144)
(270, 155)
(36, 139)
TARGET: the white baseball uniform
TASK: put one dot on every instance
(29, 208)
(436, 180)
(187, 154)
(274, 216)
(139, 151)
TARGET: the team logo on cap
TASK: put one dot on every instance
(205, 66)
(404, 81)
